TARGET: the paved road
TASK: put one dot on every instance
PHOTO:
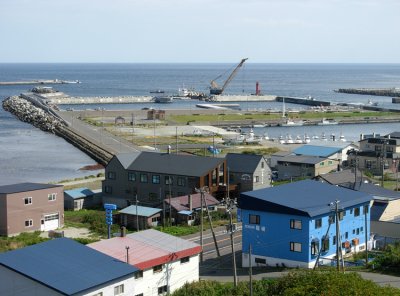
(97, 135)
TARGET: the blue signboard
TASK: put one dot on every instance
(110, 206)
(109, 216)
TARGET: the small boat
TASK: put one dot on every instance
(327, 122)
(281, 140)
(298, 140)
(289, 139)
(157, 91)
(342, 138)
(323, 137)
(163, 100)
(370, 103)
(315, 137)
(290, 122)
(306, 139)
(251, 138)
(266, 137)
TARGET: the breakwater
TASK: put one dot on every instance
(303, 101)
(26, 111)
(387, 92)
(39, 81)
(99, 100)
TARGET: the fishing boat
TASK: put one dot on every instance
(251, 138)
(235, 141)
(163, 100)
(327, 122)
(290, 122)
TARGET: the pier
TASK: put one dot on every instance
(39, 81)
(387, 92)
(303, 101)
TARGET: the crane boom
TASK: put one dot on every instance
(215, 90)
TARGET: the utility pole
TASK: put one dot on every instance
(209, 221)
(137, 217)
(250, 272)
(201, 229)
(337, 235)
(163, 206)
(155, 143)
(383, 163)
(229, 204)
(176, 139)
(366, 208)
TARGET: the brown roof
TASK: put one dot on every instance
(181, 203)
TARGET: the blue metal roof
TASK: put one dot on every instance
(65, 265)
(304, 198)
(141, 211)
(321, 151)
(183, 212)
(79, 192)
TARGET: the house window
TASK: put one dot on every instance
(341, 215)
(138, 274)
(157, 268)
(365, 209)
(358, 231)
(118, 290)
(331, 219)
(346, 235)
(28, 200)
(318, 223)
(162, 290)
(325, 244)
(361, 229)
(143, 178)
(356, 212)
(156, 219)
(168, 180)
(329, 162)
(334, 240)
(322, 163)
(52, 196)
(314, 248)
(354, 231)
(108, 189)
(28, 223)
(256, 179)
(260, 260)
(185, 260)
(254, 219)
(131, 177)
(262, 164)
(111, 175)
(295, 224)
(181, 181)
(295, 247)
(156, 179)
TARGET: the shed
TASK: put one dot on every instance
(146, 216)
(80, 198)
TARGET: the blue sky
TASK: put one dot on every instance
(265, 31)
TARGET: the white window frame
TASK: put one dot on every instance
(52, 196)
(29, 199)
(30, 222)
(119, 290)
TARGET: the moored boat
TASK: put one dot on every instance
(327, 122)
(163, 99)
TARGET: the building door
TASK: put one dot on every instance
(51, 222)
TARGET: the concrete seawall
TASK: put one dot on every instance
(48, 122)
(100, 100)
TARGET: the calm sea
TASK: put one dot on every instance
(30, 155)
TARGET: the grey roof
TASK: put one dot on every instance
(282, 153)
(79, 193)
(301, 159)
(341, 177)
(24, 187)
(243, 163)
(377, 191)
(173, 164)
(377, 209)
(304, 198)
(141, 211)
(394, 135)
(65, 265)
(127, 158)
(162, 240)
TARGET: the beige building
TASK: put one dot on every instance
(28, 207)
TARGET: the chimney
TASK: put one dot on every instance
(169, 149)
(190, 202)
(361, 137)
(388, 136)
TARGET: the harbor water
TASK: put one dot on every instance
(30, 155)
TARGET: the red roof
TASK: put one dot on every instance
(181, 203)
(147, 248)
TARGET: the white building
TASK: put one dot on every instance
(166, 262)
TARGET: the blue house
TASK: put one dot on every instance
(294, 224)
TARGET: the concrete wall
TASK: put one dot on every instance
(17, 212)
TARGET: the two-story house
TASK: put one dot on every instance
(294, 224)
(153, 176)
(26, 207)
(248, 171)
(378, 153)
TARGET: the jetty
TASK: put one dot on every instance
(309, 101)
(39, 81)
(387, 92)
